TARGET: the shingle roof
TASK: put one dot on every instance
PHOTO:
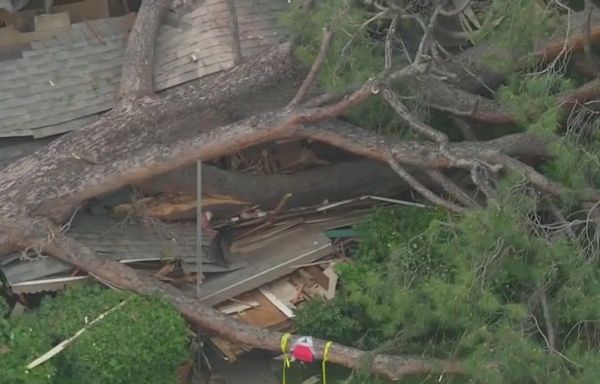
(116, 240)
(63, 83)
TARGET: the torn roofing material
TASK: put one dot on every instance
(115, 240)
(63, 83)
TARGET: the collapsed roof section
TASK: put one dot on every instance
(63, 82)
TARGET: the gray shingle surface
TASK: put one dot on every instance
(64, 82)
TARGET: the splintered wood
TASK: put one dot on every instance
(273, 304)
(173, 206)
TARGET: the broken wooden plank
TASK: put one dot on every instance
(333, 279)
(279, 304)
(317, 274)
(238, 307)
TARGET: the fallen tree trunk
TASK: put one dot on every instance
(145, 136)
(209, 319)
(332, 182)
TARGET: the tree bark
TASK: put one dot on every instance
(211, 320)
(331, 182)
(137, 78)
(146, 135)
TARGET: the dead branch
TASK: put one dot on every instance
(213, 321)
(137, 78)
(452, 188)
(395, 102)
(447, 98)
(551, 334)
(388, 42)
(421, 189)
(316, 67)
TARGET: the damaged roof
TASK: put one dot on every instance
(119, 240)
(63, 83)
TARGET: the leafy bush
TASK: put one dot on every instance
(144, 340)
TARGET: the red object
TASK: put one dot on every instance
(304, 353)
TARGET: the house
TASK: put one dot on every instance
(61, 71)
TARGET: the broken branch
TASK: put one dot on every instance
(137, 77)
(452, 188)
(211, 320)
(421, 189)
(395, 102)
(316, 67)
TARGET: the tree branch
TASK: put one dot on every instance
(137, 78)
(421, 189)
(551, 334)
(452, 188)
(587, 37)
(213, 321)
(395, 102)
(316, 67)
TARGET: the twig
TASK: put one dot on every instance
(388, 42)
(65, 227)
(587, 38)
(551, 334)
(362, 26)
(425, 43)
(423, 190)
(414, 123)
(235, 32)
(452, 188)
(316, 67)
(563, 221)
(482, 182)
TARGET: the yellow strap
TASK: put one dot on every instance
(325, 357)
(286, 360)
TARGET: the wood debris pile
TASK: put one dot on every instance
(257, 265)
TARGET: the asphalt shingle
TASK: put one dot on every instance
(65, 82)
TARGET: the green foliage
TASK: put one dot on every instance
(532, 99)
(21, 343)
(355, 55)
(144, 340)
(4, 307)
(514, 26)
(469, 286)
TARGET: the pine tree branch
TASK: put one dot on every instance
(452, 188)
(316, 67)
(215, 322)
(395, 102)
(421, 189)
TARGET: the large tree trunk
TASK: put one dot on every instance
(147, 135)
